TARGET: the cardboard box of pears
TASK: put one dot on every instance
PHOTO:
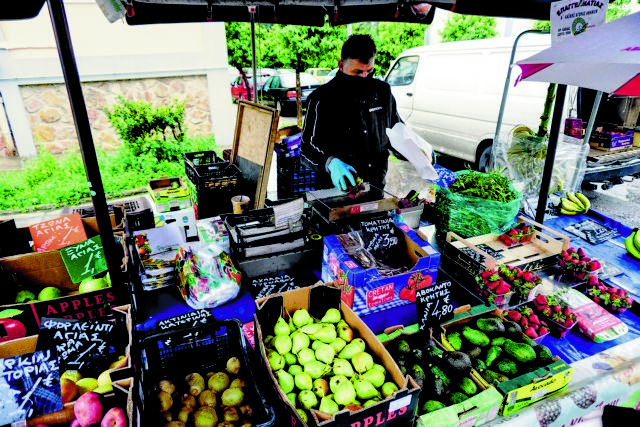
(326, 366)
(100, 390)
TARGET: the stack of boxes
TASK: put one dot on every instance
(294, 178)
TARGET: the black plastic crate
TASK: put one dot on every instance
(296, 182)
(172, 355)
(291, 164)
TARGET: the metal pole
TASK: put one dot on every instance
(252, 12)
(592, 118)
(83, 129)
(558, 108)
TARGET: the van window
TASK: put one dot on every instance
(403, 71)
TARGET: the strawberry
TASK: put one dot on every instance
(546, 311)
(571, 251)
(595, 265)
(526, 311)
(542, 331)
(581, 252)
(567, 311)
(508, 242)
(629, 301)
(596, 300)
(493, 285)
(557, 308)
(531, 333)
(524, 322)
(568, 323)
(534, 319)
(503, 288)
(514, 315)
(512, 232)
(485, 274)
(534, 326)
(593, 280)
(541, 300)
(528, 276)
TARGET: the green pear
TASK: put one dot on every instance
(307, 399)
(290, 359)
(268, 341)
(299, 341)
(327, 333)
(282, 343)
(388, 389)
(371, 402)
(305, 356)
(335, 381)
(292, 398)
(292, 327)
(275, 360)
(343, 367)
(328, 406)
(374, 376)
(379, 367)
(310, 329)
(365, 390)
(362, 361)
(315, 344)
(303, 381)
(295, 369)
(338, 344)
(345, 393)
(316, 369)
(281, 327)
(303, 416)
(355, 346)
(320, 387)
(331, 316)
(325, 353)
(301, 317)
(344, 331)
(286, 381)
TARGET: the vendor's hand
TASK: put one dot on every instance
(341, 173)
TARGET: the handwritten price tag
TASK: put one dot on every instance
(434, 305)
(84, 259)
(379, 235)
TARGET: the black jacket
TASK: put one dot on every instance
(346, 118)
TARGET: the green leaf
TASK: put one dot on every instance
(10, 312)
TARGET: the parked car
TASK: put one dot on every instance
(279, 91)
(239, 89)
(321, 73)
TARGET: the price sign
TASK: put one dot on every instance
(434, 305)
(57, 233)
(379, 235)
(191, 319)
(84, 259)
(81, 345)
(30, 386)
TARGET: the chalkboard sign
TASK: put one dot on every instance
(84, 259)
(263, 286)
(434, 305)
(29, 386)
(191, 319)
(379, 235)
(57, 233)
(84, 346)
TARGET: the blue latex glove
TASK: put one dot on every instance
(340, 173)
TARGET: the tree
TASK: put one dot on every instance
(468, 27)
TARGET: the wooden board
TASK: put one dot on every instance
(256, 129)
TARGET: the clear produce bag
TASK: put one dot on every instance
(207, 276)
(523, 157)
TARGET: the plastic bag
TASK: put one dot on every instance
(524, 156)
(415, 149)
(470, 216)
(207, 276)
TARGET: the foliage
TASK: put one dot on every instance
(542, 25)
(61, 181)
(148, 130)
(468, 27)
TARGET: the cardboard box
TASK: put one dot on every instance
(479, 409)
(169, 194)
(526, 389)
(610, 142)
(185, 217)
(397, 410)
(365, 290)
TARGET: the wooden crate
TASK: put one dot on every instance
(476, 254)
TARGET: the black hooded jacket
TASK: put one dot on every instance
(346, 118)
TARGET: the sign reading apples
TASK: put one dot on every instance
(29, 386)
(84, 259)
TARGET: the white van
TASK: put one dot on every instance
(450, 93)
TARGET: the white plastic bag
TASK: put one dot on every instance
(415, 149)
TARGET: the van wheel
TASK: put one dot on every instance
(484, 161)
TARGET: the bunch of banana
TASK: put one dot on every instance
(574, 204)
(632, 244)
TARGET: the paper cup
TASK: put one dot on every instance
(240, 204)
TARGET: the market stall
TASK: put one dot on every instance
(444, 309)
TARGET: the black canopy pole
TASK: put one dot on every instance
(252, 11)
(558, 108)
(83, 129)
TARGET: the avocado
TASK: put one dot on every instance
(403, 347)
(457, 362)
(474, 352)
(512, 330)
(439, 373)
(491, 325)
(492, 354)
(418, 374)
(434, 351)
(527, 340)
(438, 388)
(455, 340)
(543, 354)
(475, 336)
(494, 378)
(458, 397)
(499, 341)
(479, 365)
(432, 406)
(519, 351)
(507, 366)
(467, 386)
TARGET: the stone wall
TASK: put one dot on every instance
(52, 123)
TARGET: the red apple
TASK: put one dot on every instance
(69, 389)
(115, 417)
(88, 409)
